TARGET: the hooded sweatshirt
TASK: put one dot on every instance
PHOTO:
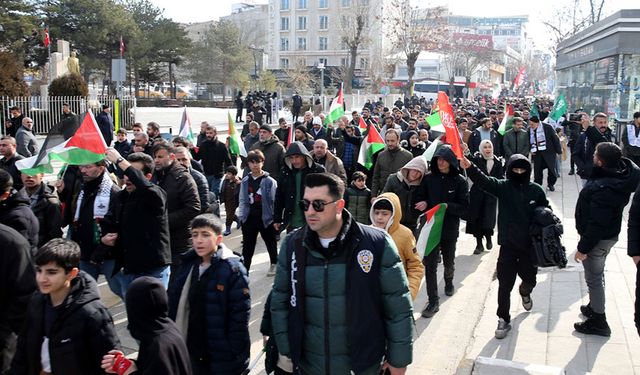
(405, 242)
(399, 184)
(162, 348)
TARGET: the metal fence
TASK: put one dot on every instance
(47, 110)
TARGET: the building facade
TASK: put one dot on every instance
(598, 69)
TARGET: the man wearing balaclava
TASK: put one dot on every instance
(517, 200)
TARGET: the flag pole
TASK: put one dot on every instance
(49, 55)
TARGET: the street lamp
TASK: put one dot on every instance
(255, 60)
(321, 67)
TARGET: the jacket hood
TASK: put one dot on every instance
(396, 214)
(518, 161)
(417, 163)
(297, 148)
(84, 289)
(624, 178)
(147, 308)
(15, 199)
(271, 140)
(447, 154)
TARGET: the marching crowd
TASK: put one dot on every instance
(348, 267)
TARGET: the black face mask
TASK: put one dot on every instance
(520, 178)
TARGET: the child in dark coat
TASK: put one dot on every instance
(230, 192)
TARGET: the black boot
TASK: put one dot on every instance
(489, 243)
(596, 325)
(572, 172)
(431, 309)
(449, 289)
(479, 247)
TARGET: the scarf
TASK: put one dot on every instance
(489, 158)
(634, 140)
(538, 139)
(101, 203)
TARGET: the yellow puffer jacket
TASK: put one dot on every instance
(405, 242)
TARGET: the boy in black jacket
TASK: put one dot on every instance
(443, 185)
(67, 329)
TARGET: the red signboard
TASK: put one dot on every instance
(473, 42)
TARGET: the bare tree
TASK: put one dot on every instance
(572, 17)
(299, 77)
(416, 30)
(353, 30)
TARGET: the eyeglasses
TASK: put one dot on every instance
(318, 205)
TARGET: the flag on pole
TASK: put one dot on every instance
(236, 147)
(507, 120)
(185, 127)
(371, 144)
(519, 80)
(452, 135)
(121, 46)
(46, 39)
(534, 111)
(291, 136)
(86, 146)
(435, 122)
(336, 109)
(431, 150)
(431, 230)
(559, 108)
(362, 125)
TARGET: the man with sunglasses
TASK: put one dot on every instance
(332, 260)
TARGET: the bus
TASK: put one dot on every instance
(429, 89)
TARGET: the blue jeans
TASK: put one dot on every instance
(214, 185)
(105, 268)
(161, 273)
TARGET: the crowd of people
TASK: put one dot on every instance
(148, 218)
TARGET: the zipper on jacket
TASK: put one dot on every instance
(327, 356)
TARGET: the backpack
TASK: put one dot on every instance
(546, 232)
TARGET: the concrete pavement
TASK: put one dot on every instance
(542, 341)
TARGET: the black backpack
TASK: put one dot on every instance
(546, 232)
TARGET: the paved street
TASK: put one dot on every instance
(464, 327)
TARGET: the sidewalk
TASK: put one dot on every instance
(545, 336)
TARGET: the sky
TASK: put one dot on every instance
(539, 10)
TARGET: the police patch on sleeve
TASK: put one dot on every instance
(365, 260)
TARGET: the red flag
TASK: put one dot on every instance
(292, 135)
(121, 46)
(46, 40)
(519, 78)
(448, 120)
(362, 125)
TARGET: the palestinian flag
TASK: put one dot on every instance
(431, 231)
(336, 109)
(86, 146)
(236, 146)
(435, 122)
(507, 120)
(431, 150)
(185, 127)
(371, 144)
(362, 125)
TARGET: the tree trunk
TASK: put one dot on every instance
(353, 55)
(411, 68)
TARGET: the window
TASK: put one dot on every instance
(302, 23)
(302, 44)
(344, 61)
(323, 44)
(324, 22)
(323, 61)
(284, 4)
(284, 63)
(284, 44)
(323, 4)
(364, 63)
(302, 4)
(363, 2)
(284, 23)
(345, 3)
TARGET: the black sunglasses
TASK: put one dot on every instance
(318, 205)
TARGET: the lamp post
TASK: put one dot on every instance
(321, 67)
(255, 61)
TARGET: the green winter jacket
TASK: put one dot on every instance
(358, 202)
(332, 339)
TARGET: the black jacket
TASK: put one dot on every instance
(214, 157)
(85, 228)
(601, 202)
(450, 188)
(49, 214)
(183, 203)
(481, 218)
(105, 123)
(15, 211)
(286, 192)
(81, 333)
(17, 280)
(633, 233)
(10, 166)
(142, 222)
(584, 149)
(476, 138)
(162, 348)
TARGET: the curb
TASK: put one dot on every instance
(494, 366)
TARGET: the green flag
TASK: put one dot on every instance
(534, 111)
(559, 108)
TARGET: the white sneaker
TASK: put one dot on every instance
(272, 270)
(503, 329)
